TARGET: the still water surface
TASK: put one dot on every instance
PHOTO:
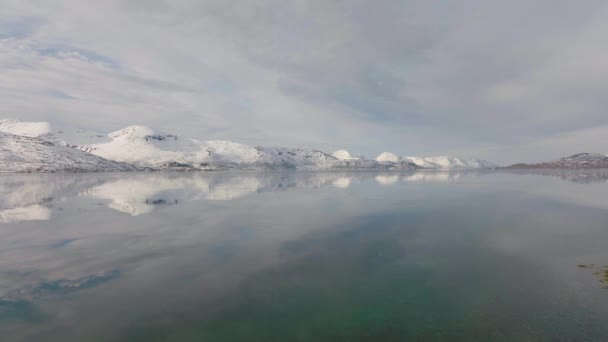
(304, 257)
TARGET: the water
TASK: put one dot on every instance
(304, 257)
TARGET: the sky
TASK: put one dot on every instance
(508, 81)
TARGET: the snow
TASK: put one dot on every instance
(146, 147)
(387, 157)
(26, 154)
(439, 163)
(449, 163)
(345, 155)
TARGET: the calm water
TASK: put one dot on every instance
(304, 257)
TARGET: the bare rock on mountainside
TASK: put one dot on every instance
(576, 161)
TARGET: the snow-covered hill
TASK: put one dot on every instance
(345, 155)
(27, 154)
(576, 161)
(144, 146)
(387, 157)
(438, 163)
(450, 163)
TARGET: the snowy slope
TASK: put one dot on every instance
(449, 163)
(144, 146)
(26, 154)
(576, 161)
(387, 157)
(345, 155)
(438, 163)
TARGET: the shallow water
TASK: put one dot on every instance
(472, 256)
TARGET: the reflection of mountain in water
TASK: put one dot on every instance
(342, 182)
(586, 177)
(65, 255)
(387, 179)
(34, 197)
(31, 197)
(429, 177)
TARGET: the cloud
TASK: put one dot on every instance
(412, 77)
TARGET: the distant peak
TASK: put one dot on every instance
(342, 154)
(584, 154)
(387, 157)
(135, 131)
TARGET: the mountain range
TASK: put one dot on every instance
(576, 161)
(40, 147)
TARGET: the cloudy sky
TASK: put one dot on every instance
(508, 81)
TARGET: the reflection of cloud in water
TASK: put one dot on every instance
(576, 176)
(77, 245)
(81, 246)
(80, 250)
(34, 212)
(59, 286)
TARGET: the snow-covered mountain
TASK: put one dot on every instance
(387, 157)
(576, 161)
(450, 163)
(345, 155)
(145, 147)
(20, 153)
(438, 163)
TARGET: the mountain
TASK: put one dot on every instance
(450, 163)
(143, 146)
(576, 161)
(438, 163)
(345, 155)
(27, 154)
(387, 157)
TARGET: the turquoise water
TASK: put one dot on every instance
(473, 256)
